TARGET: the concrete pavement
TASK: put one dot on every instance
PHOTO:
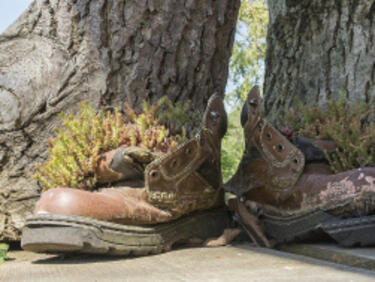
(363, 257)
(239, 262)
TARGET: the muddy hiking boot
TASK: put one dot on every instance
(285, 191)
(181, 197)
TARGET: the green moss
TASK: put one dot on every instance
(75, 151)
(344, 123)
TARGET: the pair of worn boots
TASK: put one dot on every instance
(280, 192)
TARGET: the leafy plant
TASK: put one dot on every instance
(75, 151)
(233, 145)
(3, 251)
(246, 70)
(247, 61)
(344, 123)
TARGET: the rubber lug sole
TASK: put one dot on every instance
(284, 229)
(346, 232)
(51, 233)
(352, 231)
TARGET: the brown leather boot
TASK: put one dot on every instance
(297, 197)
(181, 198)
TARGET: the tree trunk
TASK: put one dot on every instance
(106, 51)
(317, 49)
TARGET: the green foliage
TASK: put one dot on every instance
(233, 145)
(75, 151)
(344, 123)
(177, 118)
(3, 251)
(246, 70)
(247, 62)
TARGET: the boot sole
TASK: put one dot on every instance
(346, 232)
(52, 233)
(301, 227)
(352, 231)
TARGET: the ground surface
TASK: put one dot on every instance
(239, 262)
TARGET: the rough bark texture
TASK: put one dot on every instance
(105, 51)
(318, 48)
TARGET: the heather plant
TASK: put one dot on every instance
(75, 151)
(345, 123)
(178, 119)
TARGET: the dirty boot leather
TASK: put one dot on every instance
(177, 184)
(294, 193)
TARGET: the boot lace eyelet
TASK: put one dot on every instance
(269, 136)
(154, 174)
(214, 116)
(280, 148)
(253, 103)
(174, 163)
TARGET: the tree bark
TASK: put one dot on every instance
(106, 51)
(316, 50)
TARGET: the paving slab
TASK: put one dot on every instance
(240, 262)
(363, 257)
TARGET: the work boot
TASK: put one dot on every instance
(181, 198)
(293, 192)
